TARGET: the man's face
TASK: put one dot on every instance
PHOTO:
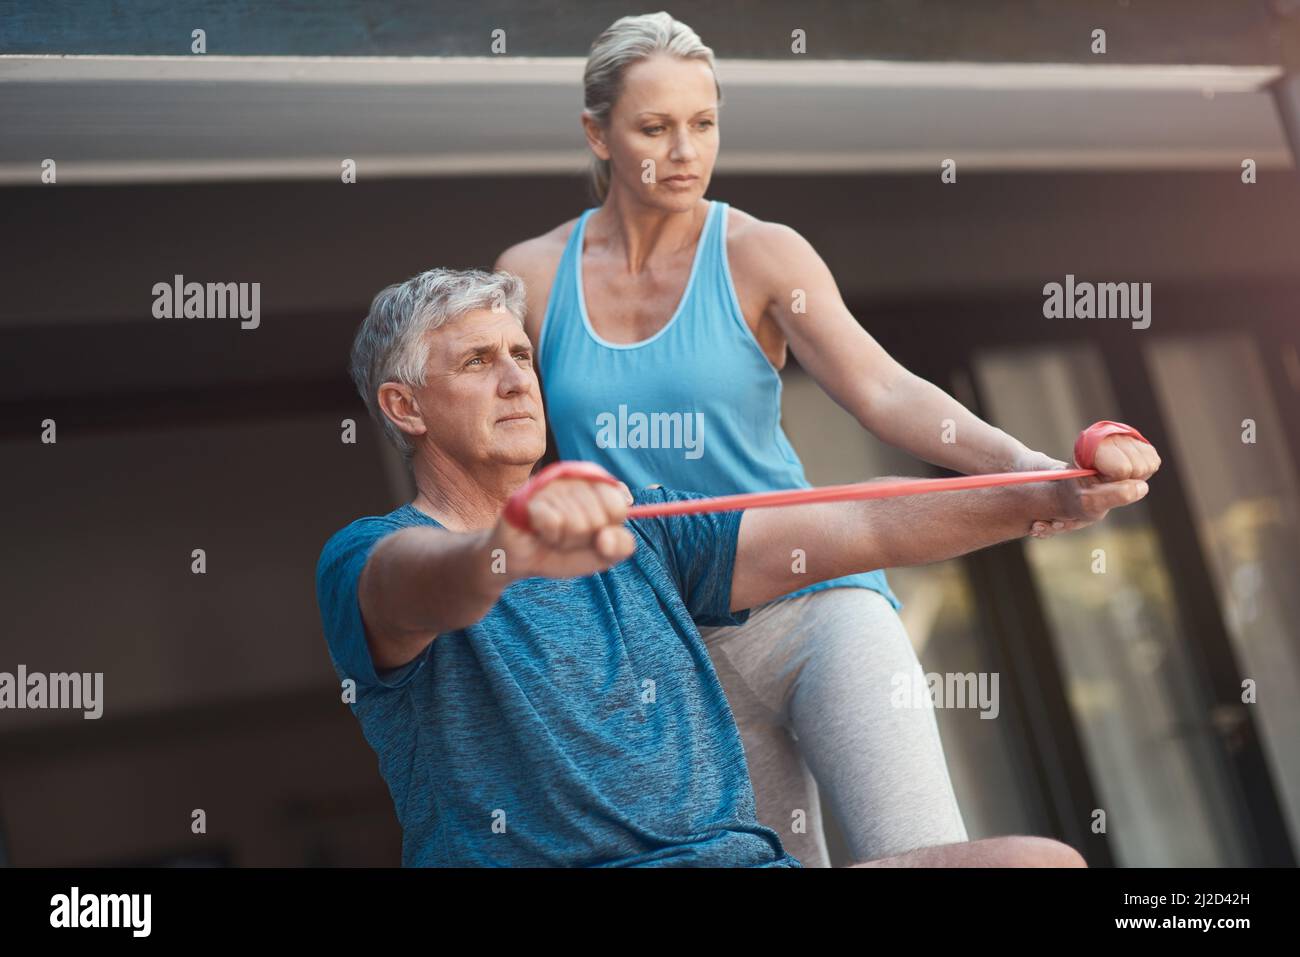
(481, 402)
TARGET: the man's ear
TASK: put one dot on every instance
(400, 406)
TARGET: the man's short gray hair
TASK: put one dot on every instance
(391, 346)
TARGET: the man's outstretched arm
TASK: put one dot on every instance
(780, 550)
(421, 582)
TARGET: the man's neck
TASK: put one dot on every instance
(464, 499)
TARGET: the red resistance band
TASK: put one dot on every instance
(1085, 446)
(516, 512)
(1085, 451)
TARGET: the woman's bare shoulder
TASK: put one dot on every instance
(740, 222)
(535, 261)
(746, 231)
(757, 246)
(537, 252)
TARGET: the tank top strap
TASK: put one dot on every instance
(717, 231)
(707, 315)
(718, 276)
(563, 307)
(715, 302)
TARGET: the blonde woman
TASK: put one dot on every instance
(660, 320)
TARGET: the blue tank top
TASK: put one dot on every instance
(696, 407)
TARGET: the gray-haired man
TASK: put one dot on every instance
(543, 697)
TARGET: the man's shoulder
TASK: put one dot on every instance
(683, 530)
(657, 493)
(367, 529)
(399, 517)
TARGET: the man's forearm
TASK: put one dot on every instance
(779, 550)
(421, 582)
(918, 529)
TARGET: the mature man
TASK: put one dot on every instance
(543, 697)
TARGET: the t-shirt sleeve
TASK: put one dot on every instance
(699, 552)
(337, 575)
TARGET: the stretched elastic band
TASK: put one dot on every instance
(1085, 446)
(1085, 450)
(856, 491)
(516, 512)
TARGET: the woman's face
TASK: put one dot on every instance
(664, 125)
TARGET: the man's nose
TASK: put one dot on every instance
(515, 378)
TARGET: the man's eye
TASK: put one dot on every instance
(474, 360)
(524, 355)
(706, 122)
(651, 130)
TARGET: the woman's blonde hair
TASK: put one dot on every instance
(624, 42)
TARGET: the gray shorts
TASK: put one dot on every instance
(809, 683)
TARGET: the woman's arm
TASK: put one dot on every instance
(851, 367)
(839, 538)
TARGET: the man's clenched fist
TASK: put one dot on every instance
(576, 529)
(1119, 458)
(1124, 457)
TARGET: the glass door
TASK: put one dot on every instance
(1166, 791)
(1231, 453)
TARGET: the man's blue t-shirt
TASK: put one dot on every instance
(579, 723)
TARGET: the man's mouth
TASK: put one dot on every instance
(516, 415)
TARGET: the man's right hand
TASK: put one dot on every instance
(1123, 463)
(1087, 500)
(577, 529)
